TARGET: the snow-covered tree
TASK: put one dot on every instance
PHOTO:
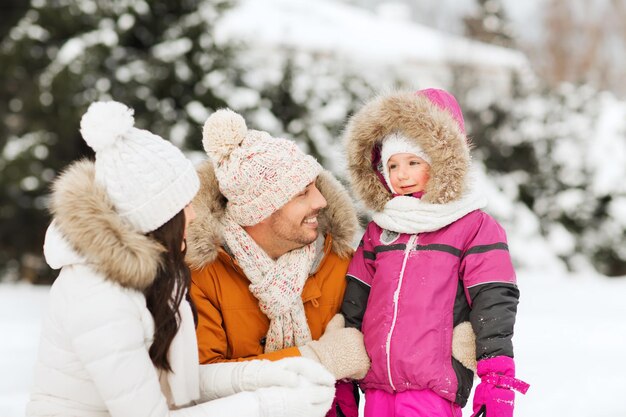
(301, 95)
(158, 57)
(564, 152)
(161, 58)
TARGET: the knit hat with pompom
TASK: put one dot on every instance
(257, 173)
(147, 178)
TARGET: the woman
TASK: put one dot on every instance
(118, 338)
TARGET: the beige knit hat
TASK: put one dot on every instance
(257, 173)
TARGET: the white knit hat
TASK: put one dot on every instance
(257, 173)
(398, 143)
(148, 179)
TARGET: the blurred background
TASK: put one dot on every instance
(542, 84)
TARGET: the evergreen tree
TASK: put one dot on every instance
(161, 59)
(157, 57)
(11, 11)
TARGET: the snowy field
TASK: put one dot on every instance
(569, 336)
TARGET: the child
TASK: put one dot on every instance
(429, 261)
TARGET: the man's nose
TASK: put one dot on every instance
(319, 202)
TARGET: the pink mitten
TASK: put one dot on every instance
(494, 396)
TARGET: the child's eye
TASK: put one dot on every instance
(414, 163)
(392, 166)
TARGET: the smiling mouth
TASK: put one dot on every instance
(311, 221)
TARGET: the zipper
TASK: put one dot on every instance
(396, 297)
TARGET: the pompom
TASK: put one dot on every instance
(104, 123)
(223, 131)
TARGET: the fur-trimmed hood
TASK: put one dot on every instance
(87, 229)
(205, 235)
(434, 129)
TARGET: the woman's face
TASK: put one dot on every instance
(190, 214)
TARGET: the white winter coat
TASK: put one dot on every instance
(93, 356)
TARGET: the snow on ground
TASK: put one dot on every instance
(569, 339)
(21, 309)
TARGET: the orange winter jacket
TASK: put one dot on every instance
(231, 325)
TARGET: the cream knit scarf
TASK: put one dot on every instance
(276, 284)
(411, 215)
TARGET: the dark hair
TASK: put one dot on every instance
(170, 286)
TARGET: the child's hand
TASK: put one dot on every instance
(494, 396)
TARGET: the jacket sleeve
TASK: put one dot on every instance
(210, 332)
(491, 289)
(359, 276)
(243, 404)
(493, 318)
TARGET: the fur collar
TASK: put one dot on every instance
(205, 235)
(87, 220)
(433, 129)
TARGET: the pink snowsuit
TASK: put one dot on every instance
(416, 283)
(406, 291)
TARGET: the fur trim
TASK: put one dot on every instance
(339, 217)
(434, 130)
(86, 217)
(205, 234)
(464, 345)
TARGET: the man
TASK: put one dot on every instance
(269, 255)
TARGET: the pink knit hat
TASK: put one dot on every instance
(257, 173)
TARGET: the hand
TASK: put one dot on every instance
(494, 396)
(309, 369)
(341, 350)
(305, 400)
(464, 345)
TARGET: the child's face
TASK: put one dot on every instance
(408, 173)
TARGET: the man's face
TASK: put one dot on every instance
(295, 224)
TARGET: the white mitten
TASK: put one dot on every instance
(219, 380)
(309, 369)
(305, 400)
(341, 350)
